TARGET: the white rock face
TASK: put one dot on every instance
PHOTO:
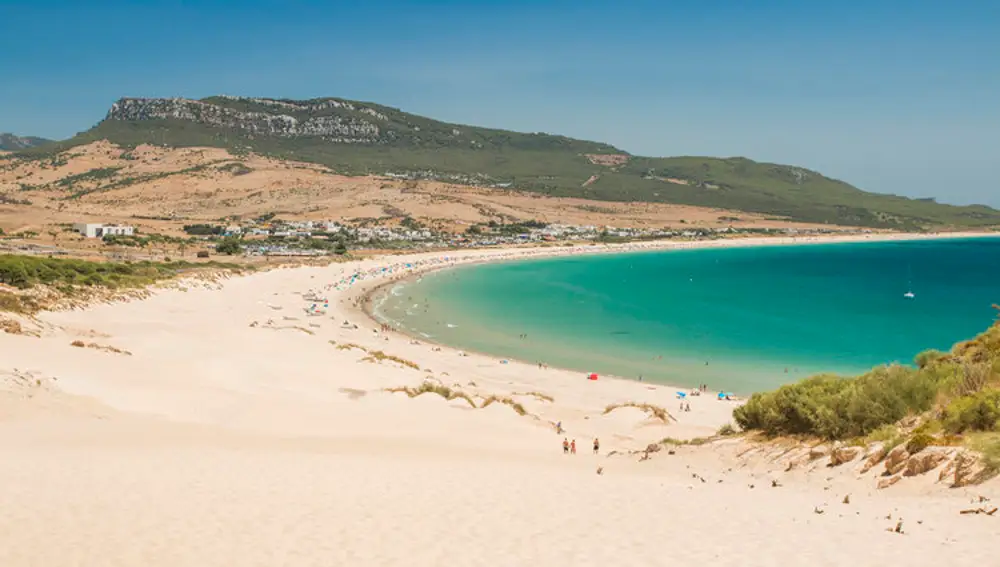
(344, 129)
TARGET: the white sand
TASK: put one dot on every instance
(221, 443)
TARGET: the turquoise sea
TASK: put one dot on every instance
(738, 319)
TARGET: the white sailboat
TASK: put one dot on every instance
(909, 284)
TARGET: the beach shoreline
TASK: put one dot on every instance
(365, 304)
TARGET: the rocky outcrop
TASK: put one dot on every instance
(337, 127)
(818, 452)
(841, 455)
(895, 461)
(875, 456)
(926, 461)
(887, 482)
(969, 469)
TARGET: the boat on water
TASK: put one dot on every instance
(909, 283)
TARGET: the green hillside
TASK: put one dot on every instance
(11, 143)
(364, 138)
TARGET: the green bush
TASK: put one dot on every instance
(836, 408)
(229, 246)
(27, 271)
(980, 412)
(927, 357)
(988, 445)
(918, 442)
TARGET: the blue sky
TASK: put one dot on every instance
(896, 97)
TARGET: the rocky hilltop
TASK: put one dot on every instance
(331, 120)
(364, 138)
(12, 143)
(275, 118)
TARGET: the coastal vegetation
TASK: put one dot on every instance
(379, 356)
(68, 277)
(518, 408)
(657, 412)
(943, 399)
(537, 395)
(360, 138)
(27, 271)
(429, 387)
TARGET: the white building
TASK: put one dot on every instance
(98, 230)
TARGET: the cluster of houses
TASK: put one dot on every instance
(267, 238)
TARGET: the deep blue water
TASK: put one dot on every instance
(741, 319)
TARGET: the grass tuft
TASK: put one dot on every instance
(431, 388)
(987, 445)
(379, 356)
(506, 401)
(658, 412)
(726, 430)
(536, 395)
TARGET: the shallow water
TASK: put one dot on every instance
(740, 319)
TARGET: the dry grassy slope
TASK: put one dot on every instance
(102, 182)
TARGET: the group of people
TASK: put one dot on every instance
(569, 447)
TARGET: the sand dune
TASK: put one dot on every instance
(222, 443)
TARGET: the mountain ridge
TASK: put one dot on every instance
(12, 142)
(363, 138)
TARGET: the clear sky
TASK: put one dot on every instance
(893, 96)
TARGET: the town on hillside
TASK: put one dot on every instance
(270, 236)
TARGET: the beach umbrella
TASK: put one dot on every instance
(592, 377)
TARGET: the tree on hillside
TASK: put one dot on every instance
(341, 247)
(229, 246)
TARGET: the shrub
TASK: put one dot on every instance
(658, 412)
(203, 229)
(537, 395)
(834, 407)
(27, 271)
(229, 246)
(431, 388)
(379, 356)
(918, 443)
(980, 412)
(889, 435)
(975, 377)
(988, 445)
(202, 254)
(14, 303)
(727, 430)
(506, 401)
(928, 357)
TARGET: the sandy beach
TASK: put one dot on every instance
(233, 423)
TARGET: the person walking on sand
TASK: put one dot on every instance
(565, 446)
(597, 445)
(572, 447)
